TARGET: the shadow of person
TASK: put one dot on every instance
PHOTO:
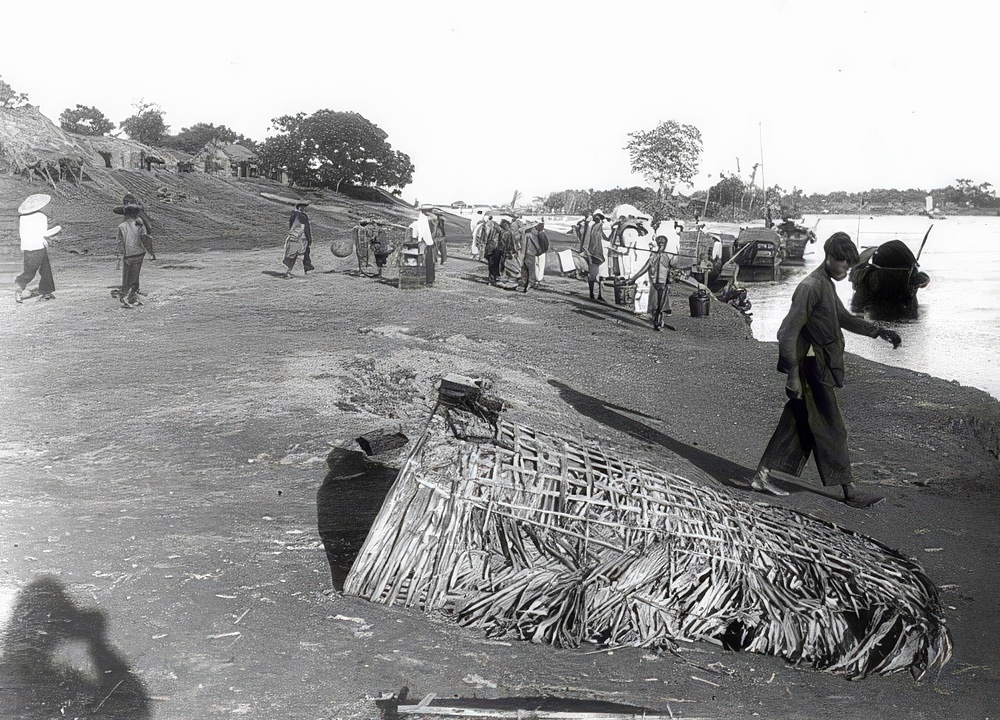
(717, 468)
(57, 661)
(346, 506)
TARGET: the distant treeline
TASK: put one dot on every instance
(732, 199)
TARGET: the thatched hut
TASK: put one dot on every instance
(227, 159)
(530, 535)
(31, 144)
(124, 154)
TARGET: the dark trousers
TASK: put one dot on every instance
(36, 261)
(496, 260)
(131, 266)
(812, 425)
(429, 264)
(306, 260)
(659, 301)
(529, 276)
(442, 250)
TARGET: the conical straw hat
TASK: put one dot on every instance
(33, 203)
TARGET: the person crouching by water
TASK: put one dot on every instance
(133, 241)
(658, 266)
(811, 354)
(35, 232)
(298, 240)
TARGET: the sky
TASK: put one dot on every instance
(540, 96)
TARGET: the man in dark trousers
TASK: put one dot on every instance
(439, 236)
(594, 251)
(298, 241)
(811, 354)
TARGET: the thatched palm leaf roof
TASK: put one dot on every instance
(30, 141)
(533, 535)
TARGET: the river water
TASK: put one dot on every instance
(956, 330)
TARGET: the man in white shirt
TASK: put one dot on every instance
(420, 229)
(35, 234)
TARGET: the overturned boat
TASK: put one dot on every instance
(887, 276)
(529, 535)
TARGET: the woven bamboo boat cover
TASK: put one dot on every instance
(528, 535)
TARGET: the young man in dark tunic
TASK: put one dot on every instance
(658, 266)
(811, 354)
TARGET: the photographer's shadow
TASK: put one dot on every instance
(57, 661)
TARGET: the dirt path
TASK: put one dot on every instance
(163, 464)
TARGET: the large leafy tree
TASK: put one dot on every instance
(85, 120)
(194, 138)
(330, 148)
(147, 125)
(667, 155)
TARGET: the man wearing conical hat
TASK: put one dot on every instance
(35, 234)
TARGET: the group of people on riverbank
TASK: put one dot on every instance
(514, 248)
(134, 242)
(810, 338)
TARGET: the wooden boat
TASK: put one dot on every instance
(888, 276)
(758, 252)
(795, 238)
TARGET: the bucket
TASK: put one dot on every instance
(699, 303)
(624, 293)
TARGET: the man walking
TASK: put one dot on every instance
(440, 235)
(35, 233)
(298, 240)
(536, 243)
(811, 354)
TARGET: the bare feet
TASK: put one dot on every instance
(762, 483)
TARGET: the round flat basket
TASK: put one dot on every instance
(342, 246)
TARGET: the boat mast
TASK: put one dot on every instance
(760, 138)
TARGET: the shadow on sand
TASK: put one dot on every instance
(57, 661)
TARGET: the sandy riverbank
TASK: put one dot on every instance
(163, 464)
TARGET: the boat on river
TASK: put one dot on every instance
(888, 276)
(795, 237)
(758, 253)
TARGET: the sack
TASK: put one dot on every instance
(296, 231)
(543, 243)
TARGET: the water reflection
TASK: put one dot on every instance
(57, 661)
(346, 505)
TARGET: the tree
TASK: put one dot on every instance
(85, 120)
(667, 155)
(10, 98)
(146, 126)
(194, 138)
(329, 148)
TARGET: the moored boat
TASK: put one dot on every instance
(758, 252)
(888, 275)
(795, 238)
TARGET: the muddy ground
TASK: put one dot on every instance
(162, 464)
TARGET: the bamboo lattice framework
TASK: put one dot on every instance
(526, 534)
